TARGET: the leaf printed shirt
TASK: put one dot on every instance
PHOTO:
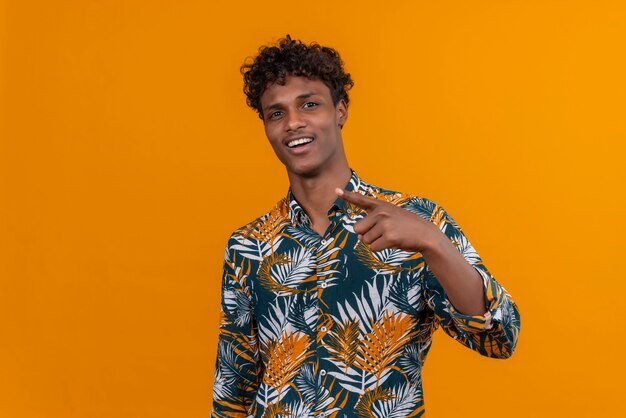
(321, 326)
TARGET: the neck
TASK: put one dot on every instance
(316, 194)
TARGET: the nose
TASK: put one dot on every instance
(295, 120)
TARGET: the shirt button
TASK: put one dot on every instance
(323, 329)
(323, 242)
(349, 211)
(322, 372)
(323, 285)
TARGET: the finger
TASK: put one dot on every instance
(373, 234)
(380, 244)
(361, 201)
(365, 224)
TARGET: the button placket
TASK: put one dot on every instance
(321, 314)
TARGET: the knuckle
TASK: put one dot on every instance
(388, 226)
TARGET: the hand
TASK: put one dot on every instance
(389, 226)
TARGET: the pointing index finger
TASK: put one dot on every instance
(361, 201)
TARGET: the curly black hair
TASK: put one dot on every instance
(292, 57)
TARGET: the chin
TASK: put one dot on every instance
(304, 171)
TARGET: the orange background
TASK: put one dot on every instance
(128, 155)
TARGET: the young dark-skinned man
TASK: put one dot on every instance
(329, 300)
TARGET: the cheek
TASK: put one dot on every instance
(332, 123)
(275, 143)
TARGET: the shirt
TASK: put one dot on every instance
(322, 326)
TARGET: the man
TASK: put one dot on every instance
(329, 301)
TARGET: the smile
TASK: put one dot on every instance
(300, 141)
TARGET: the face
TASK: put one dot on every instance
(303, 125)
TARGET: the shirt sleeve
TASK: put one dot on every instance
(493, 334)
(237, 368)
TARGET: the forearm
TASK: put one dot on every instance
(462, 283)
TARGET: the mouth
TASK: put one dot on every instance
(299, 142)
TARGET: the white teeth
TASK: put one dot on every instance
(300, 141)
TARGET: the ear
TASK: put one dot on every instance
(342, 112)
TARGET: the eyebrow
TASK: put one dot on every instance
(300, 97)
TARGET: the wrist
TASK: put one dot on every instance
(434, 242)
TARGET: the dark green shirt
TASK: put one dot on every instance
(322, 326)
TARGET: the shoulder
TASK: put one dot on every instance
(263, 228)
(422, 206)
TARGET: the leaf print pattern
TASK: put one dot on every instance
(384, 262)
(283, 273)
(314, 326)
(406, 296)
(268, 227)
(402, 405)
(288, 353)
(380, 348)
(365, 405)
(411, 362)
(343, 343)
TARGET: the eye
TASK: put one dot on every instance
(310, 105)
(274, 115)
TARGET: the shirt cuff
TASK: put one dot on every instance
(479, 323)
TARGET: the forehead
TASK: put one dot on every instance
(294, 88)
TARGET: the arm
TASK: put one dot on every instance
(494, 331)
(455, 281)
(462, 283)
(390, 226)
(237, 370)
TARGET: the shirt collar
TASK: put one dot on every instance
(299, 217)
